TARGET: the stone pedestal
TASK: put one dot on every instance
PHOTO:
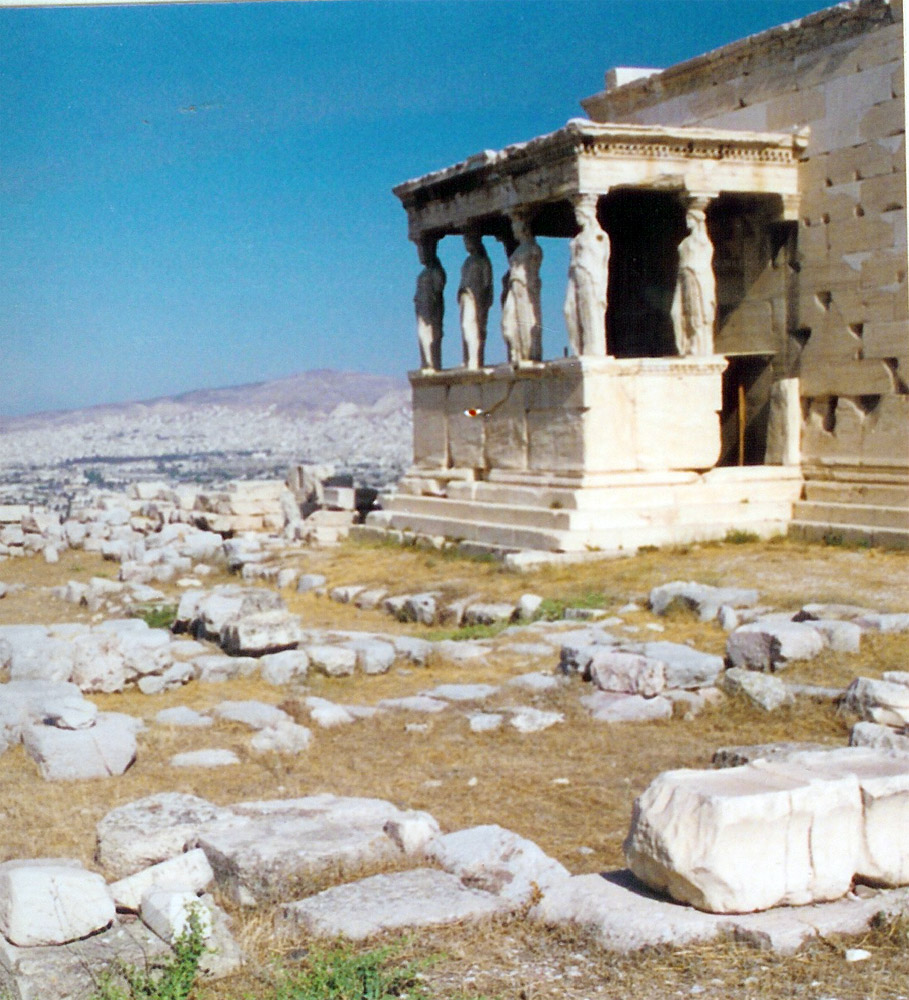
(577, 416)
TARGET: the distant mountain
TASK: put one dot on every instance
(310, 393)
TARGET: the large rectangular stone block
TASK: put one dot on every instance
(430, 425)
(848, 378)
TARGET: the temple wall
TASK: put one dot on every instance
(843, 325)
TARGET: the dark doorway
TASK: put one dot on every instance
(746, 409)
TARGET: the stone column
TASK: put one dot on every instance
(588, 271)
(694, 302)
(475, 299)
(429, 304)
(521, 325)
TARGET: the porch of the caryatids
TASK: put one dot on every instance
(475, 296)
(588, 271)
(429, 304)
(522, 327)
(694, 302)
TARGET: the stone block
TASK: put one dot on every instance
(705, 837)
(51, 901)
(190, 871)
(261, 632)
(872, 734)
(267, 846)
(606, 706)
(684, 667)
(887, 118)
(884, 702)
(104, 750)
(166, 911)
(284, 667)
(497, 861)
(762, 690)
(374, 656)
(770, 645)
(333, 661)
(430, 426)
(134, 836)
(283, 737)
(626, 673)
(420, 898)
(255, 714)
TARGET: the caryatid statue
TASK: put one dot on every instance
(694, 303)
(521, 325)
(588, 271)
(475, 299)
(429, 303)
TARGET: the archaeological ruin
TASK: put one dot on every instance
(736, 319)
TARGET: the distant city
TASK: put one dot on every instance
(359, 424)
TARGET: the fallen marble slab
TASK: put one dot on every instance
(138, 834)
(771, 645)
(212, 757)
(763, 690)
(423, 897)
(105, 749)
(882, 701)
(701, 598)
(47, 901)
(705, 836)
(498, 861)
(264, 846)
(56, 972)
(190, 870)
(606, 706)
(872, 734)
(735, 756)
(625, 916)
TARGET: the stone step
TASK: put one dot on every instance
(672, 511)
(867, 515)
(875, 494)
(497, 535)
(891, 538)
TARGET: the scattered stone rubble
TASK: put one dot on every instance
(690, 835)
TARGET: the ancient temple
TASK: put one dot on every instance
(736, 317)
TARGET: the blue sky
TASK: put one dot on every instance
(199, 195)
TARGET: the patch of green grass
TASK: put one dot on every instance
(735, 537)
(343, 974)
(170, 978)
(466, 632)
(157, 615)
(553, 608)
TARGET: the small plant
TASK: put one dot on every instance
(834, 540)
(171, 978)
(735, 537)
(157, 615)
(342, 974)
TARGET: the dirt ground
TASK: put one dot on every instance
(569, 788)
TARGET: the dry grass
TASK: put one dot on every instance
(569, 788)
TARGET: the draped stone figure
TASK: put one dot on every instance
(475, 299)
(588, 269)
(694, 303)
(521, 326)
(429, 303)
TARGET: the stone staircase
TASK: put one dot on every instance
(854, 511)
(611, 514)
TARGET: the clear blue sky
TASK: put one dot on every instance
(199, 195)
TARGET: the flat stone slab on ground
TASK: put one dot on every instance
(214, 757)
(264, 846)
(152, 829)
(770, 645)
(735, 756)
(702, 598)
(625, 916)
(69, 971)
(607, 706)
(420, 898)
(104, 750)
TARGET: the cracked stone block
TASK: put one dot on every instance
(705, 837)
(190, 870)
(51, 901)
(626, 673)
(104, 750)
